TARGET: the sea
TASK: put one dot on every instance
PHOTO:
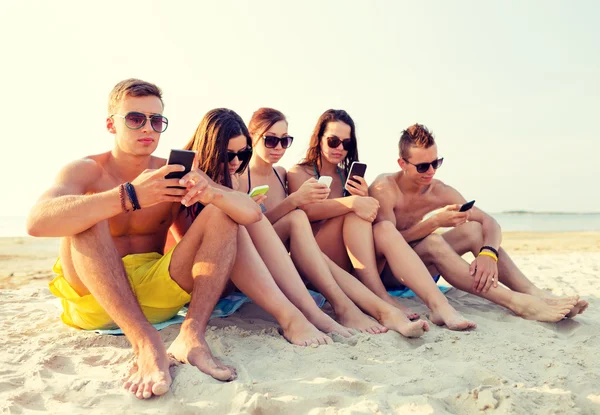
(11, 226)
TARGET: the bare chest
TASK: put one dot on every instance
(410, 210)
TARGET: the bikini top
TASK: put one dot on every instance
(278, 178)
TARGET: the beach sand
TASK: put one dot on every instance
(506, 366)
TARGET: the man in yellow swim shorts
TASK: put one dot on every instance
(113, 211)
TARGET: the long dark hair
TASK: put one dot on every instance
(210, 143)
(313, 154)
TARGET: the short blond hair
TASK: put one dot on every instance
(131, 88)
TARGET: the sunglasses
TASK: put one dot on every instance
(272, 141)
(136, 120)
(242, 155)
(335, 142)
(423, 167)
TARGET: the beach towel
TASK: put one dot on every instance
(230, 304)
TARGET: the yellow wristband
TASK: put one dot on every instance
(490, 254)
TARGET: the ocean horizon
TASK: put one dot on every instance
(513, 221)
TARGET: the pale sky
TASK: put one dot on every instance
(510, 89)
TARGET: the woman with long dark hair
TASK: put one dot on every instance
(270, 139)
(223, 146)
(343, 223)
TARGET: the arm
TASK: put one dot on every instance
(238, 206)
(492, 233)
(65, 209)
(386, 197)
(326, 209)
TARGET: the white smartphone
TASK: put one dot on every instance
(326, 180)
(259, 190)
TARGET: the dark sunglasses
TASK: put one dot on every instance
(272, 141)
(335, 142)
(423, 167)
(242, 155)
(136, 120)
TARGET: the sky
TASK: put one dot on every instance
(510, 89)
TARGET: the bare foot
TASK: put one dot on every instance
(543, 309)
(411, 315)
(579, 307)
(150, 373)
(190, 347)
(448, 316)
(301, 332)
(547, 296)
(356, 319)
(328, 325)
(395, 320)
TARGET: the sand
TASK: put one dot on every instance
(506, 366)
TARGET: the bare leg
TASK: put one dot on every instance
(388, 315)
(350, 237)
(204, 257)
(435, 250)
(469, 238)
(295, 228)
(408, 268)
(279, 263)
(93, 265)
(251, 276)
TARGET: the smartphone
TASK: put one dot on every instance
(326, 180)
(356, 169)
(183, 157)
(259, 190)
(467, 206)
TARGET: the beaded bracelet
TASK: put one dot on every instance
(490, 254)
(490, 248)
(132, 196)
(122, 198)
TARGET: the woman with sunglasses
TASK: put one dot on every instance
(343, 224)
(269, 130)
(263, 269)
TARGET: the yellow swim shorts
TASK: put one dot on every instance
(158, 295)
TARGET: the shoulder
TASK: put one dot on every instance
(300, 169)
(89, 168)
(445, 193)
(281, 172)
(384, 183)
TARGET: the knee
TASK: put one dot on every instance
(432, 246)
(298, 216)
(97, 233)
(226, 227)
(384, 230)
(473, 233)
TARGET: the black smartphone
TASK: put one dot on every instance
(356, 169)
(467, 206)
(183, 157)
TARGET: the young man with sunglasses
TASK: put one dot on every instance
(113, 211)
(407, 196)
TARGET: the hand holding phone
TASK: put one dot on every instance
(311, 191)
(326, 180)
(259, 190)
(354, 186)
(259, 195)
(184, 158)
